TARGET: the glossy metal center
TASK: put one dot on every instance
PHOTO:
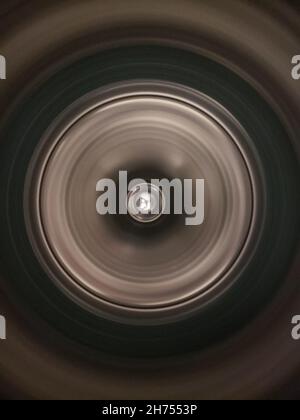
(145, 203)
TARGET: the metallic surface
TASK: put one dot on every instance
(143, 125)
(256, 40)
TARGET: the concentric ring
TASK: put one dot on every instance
(235, 341)
(137, 127)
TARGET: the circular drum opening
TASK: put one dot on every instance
(129, 274)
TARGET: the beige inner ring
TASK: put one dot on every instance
(112, 265)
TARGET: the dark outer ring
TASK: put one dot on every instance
(259, 359)
(201, 329)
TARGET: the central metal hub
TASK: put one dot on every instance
(145, 203)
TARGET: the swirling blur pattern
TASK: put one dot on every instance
(107, 308)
